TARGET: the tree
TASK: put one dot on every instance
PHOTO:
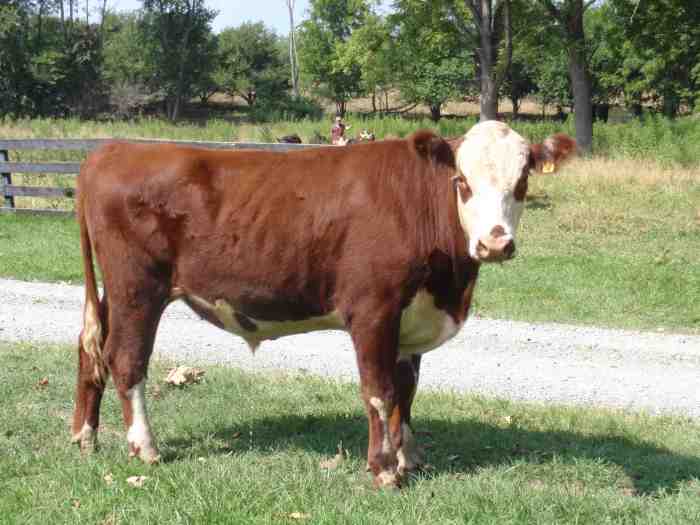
(605, 55)
(520, 77)
(567, 17)
(490, 25)
(16, 79)
(322, 39)
(660, 43)
(370, 48)
(433, 65)
(180, 29)
(519, 82)
(251, 65)
(128, 69)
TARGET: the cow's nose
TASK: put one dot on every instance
(494, 249)
(509, 249)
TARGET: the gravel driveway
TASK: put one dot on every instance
(655, 372)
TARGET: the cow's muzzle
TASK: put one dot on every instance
(495, 249)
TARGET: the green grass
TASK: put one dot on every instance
(40, 248)
(242, 448)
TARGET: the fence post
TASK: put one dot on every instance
(9, 200)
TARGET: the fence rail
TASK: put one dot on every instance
(9, 191)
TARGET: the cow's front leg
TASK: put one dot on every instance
(376, 344)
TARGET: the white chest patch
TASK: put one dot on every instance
(255, 331)
(424, 327)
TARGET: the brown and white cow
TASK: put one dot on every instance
(383, 240)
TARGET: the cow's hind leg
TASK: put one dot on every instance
(128, 350)
(92, 375)
(410, 456)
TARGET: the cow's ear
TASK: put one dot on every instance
(552, 153)
(430, 146)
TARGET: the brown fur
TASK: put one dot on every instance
(280, 237)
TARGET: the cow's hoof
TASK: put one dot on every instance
(410, 455)
(410, 460)
(148, 454)
(387, 480)
(86, 439)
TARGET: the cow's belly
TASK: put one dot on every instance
(424, 327)
(255, 331)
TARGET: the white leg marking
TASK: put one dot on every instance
(409, 455)
(139, 434)
(378, 404)
(86, 438)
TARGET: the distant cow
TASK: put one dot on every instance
(290, 139)
(366, 136)
(383, 240)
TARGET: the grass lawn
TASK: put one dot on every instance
(608, 243)
(242, 448)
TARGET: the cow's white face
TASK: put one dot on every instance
(493, 161)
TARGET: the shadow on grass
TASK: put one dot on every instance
(540, 201)
(473, 444)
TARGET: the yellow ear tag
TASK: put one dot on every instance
(548, 166)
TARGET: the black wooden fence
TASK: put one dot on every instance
(9, 191)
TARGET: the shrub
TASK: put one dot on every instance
(285, 108)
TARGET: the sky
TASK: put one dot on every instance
(232, 13)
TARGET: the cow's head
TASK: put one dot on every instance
(493, 164)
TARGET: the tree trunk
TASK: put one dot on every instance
(489, 98)
(580, 81)
(570, 18)
(487, 58)
(293, 50)
(64, 25)
(435, 112)
(670, 105)
(180, 85)
(175, 112)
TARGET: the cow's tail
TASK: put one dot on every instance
(91, 337)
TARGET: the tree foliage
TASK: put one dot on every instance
(180, 30)
(658, 52)
(323, 38)
(251, 64)
(433, 65)
(58, 57)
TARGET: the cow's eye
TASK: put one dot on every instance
(460, 184)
